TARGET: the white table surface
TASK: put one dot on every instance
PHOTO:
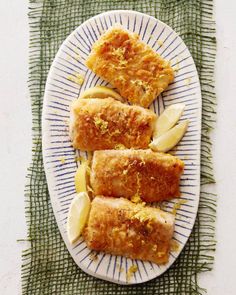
(15, 134)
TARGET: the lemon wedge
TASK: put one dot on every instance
(101, 92)
(168, 119)
(169, 139)
(78, 215)
(81, 177)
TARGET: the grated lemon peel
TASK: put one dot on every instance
(132, 269)
(77, 78)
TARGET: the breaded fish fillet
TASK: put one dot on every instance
(126, 173)
(105, 123)
(139, 73)
(120, 227)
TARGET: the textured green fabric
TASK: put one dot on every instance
(47, 265)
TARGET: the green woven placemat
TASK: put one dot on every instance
(47, 265)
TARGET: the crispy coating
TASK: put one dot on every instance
(105, 123)
(125, 173)
(139, 73)
(120, 227)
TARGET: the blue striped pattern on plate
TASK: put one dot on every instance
(59, 156)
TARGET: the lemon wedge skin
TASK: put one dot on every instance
(101, 92)
(169, 139)
(78, 215)
(168, 119)
(81, 178)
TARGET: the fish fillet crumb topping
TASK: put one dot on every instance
(139, 73)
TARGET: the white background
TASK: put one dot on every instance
(15, 147)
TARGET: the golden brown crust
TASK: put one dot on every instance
(124, 173)
(120, 227)
(105, 123)
(139, 73)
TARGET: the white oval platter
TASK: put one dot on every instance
(59, 156)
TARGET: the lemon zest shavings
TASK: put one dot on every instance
(141, 215)
(132, 269)
(119, 53)
(93, 256)
(63, 160)
(77, 78)
(174, 246)
(101, 124)
(176, 68)
(136, 198)
(178, 206)
(120, 146)
(188, 81)
(160, 42)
